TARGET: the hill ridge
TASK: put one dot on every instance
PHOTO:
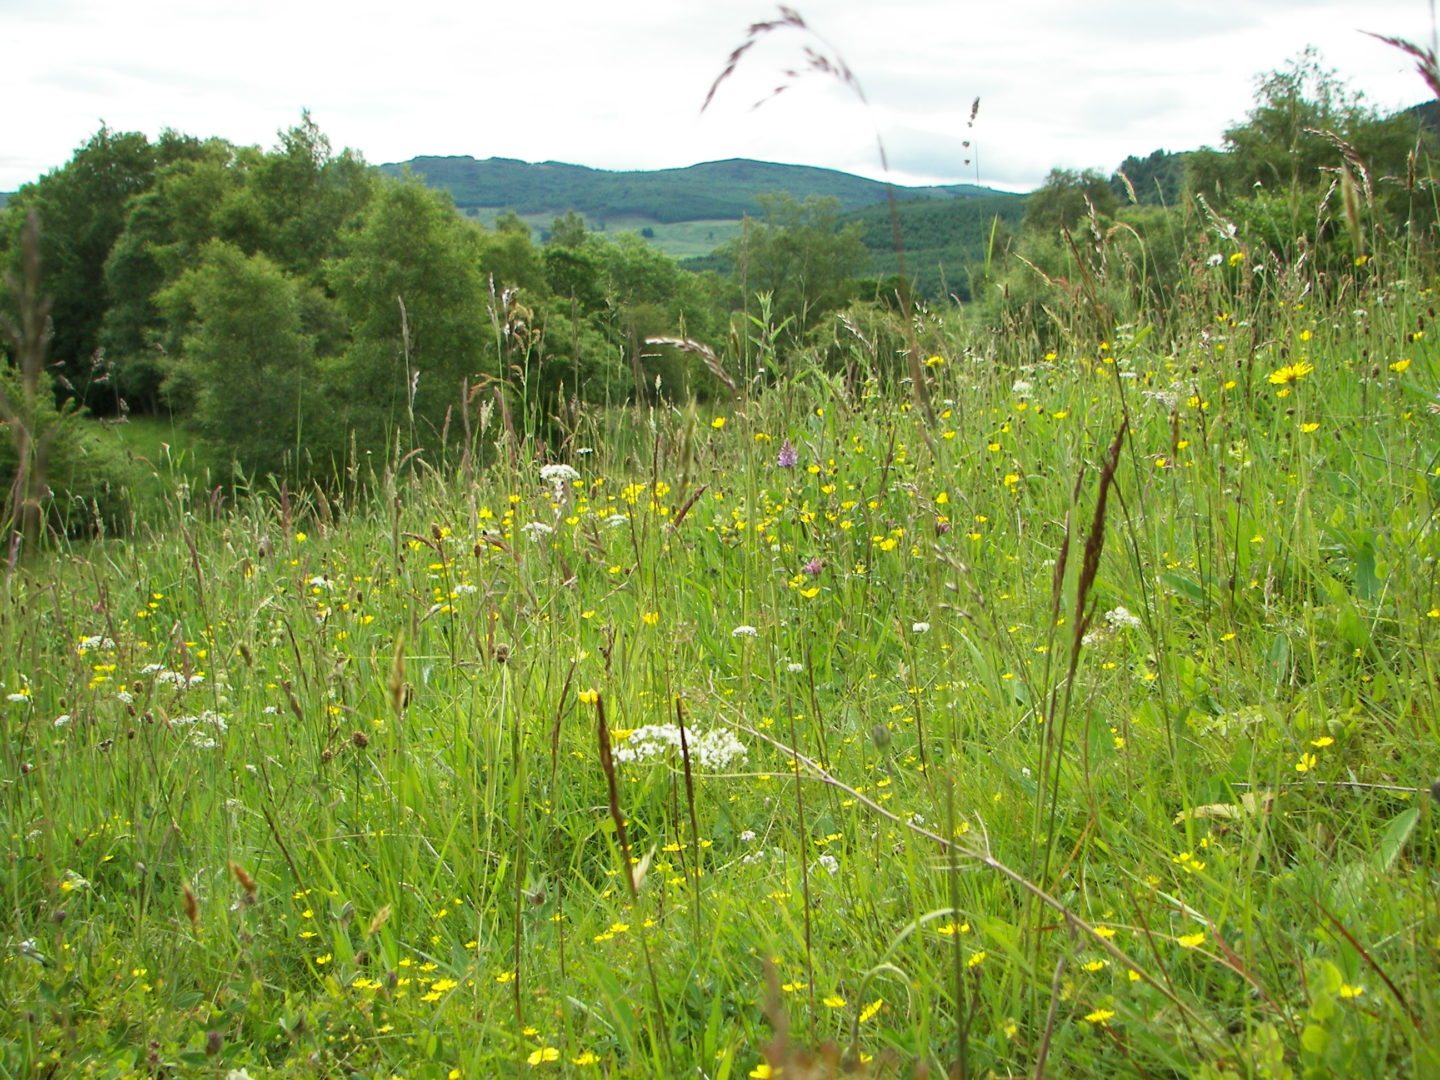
(727, 188)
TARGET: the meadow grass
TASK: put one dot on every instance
(683, 239)
(924, 762)
(169, 459)
(677, 239)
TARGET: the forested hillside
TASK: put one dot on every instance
(710, 191)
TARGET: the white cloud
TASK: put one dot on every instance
(620, 85)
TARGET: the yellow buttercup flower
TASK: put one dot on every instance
(1290, 373)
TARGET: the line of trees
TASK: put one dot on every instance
(293, 303)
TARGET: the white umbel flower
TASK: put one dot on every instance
(1120, 618)
(713, 750)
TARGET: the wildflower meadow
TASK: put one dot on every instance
(1077, 716)
(1039, 685)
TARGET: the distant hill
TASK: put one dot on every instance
(711, 192)
(689, 212)
(1427, 113)
(5, 198)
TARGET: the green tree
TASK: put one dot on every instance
(165, 230)
(574, 276)
(801, 255)
(82, 208)
(1279, 145)
(410, 287)
(1305, 129)
(297, 201)
(248, 365)
(1156, 180)
(567, 231)
(291, 203)
(508, 256)
(1065, 198)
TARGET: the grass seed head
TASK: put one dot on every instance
(192, 905)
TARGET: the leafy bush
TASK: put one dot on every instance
(89, 478)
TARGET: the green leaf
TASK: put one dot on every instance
(1396, 835)
(1314, 1039)
(1277, 660)
(1367, 583)
(1187, 586)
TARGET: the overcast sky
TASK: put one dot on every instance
(619, 85)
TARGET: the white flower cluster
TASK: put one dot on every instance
(744, 630)
(558, 477)
(1167, 398)
(177, 679)
(1113, 622)
(1121, 619)
(203, 728)
(713, 750)
(93, 642)
(537, 529)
